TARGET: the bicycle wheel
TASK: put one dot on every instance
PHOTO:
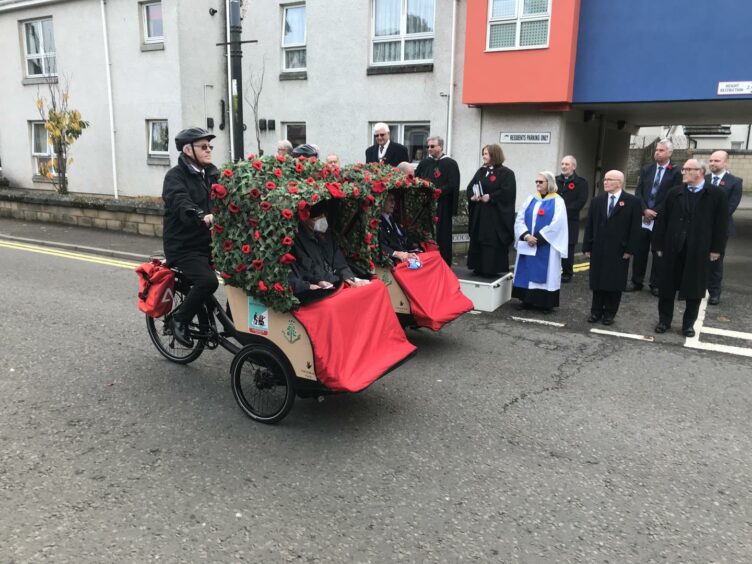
(262, 383)
(161, 335)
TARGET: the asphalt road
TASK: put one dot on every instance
(499, 441)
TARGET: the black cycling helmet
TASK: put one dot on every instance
(305, 150)
(191, 135)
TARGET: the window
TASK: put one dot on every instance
(737, 145)
(152, 23)
(294, 38)
(159, 138)
(295, 133)
(518, 24)
(41, 150)
(402, 31)
(412, 135)
(39, 42)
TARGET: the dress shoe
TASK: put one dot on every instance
(608, 321)
(714, 300)
(566, 278)
(661, 327)
(593, 318)
(655, 291)
(181, 332)
(632, 287)
(689, 332)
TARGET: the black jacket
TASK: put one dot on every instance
(391, 241)
(448, 180)
(395, 154)
(672, 176)
(574, 192)
(732, 185)
(186, 196)
(318, 258)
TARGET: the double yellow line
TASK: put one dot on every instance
(67, 254)
(581, 267)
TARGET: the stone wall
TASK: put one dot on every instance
(130, 216)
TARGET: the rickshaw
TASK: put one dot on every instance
(283, 349)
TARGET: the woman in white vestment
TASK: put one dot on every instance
(541, 240)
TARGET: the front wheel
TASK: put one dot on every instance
(262, 383)
(161, 335)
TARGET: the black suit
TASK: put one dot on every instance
(732, 185)
(395, 154)
(445, 174)
(393, 237)
(607, 239)
(670, 177)
(574, 191)
(689, 228)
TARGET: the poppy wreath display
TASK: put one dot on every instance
(258, 202)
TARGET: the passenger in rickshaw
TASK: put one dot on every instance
(320, 268)
(393, 238)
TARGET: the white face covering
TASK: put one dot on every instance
(320, 225)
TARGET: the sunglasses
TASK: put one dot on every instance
(540, 181)
(204, 147)
(431, 146)
(380, 134)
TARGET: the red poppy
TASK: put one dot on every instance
(371, 266)
(669, 167)
(280, 158)
(241, 268)
(250, 157)
(492, 178)
(302, 204)
(436, 174)
(270, 185)
(304, 214)
(278, 287)
(262, 286)
(233, 208)
(373, 224)
(370, 199)
(356, 192)
(228, 244)
(371, 246)
(245, 249)
(227, 173)
(437, 194)
(315, 198)
(335, 190)
(225, 275)
(258, 165)
(219, 190)
(287, 258)
(368, 237)
(298, 167)
(265, 206)
(310, 180)
(621, 204)
(541, 211)
(287, 241)
(435, 219)
(722, 183)
(255, 193)
(218, 228)
(252, 222)
(257, 264)
(312, 159)
(425, 183)
(256, 235)
(378, 187)
(277, 172)
(287, 214)
(570, 186)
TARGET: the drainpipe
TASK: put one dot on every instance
(109, 99)
(229, 80)
(450, 100)
(235, 78)
(598, 172)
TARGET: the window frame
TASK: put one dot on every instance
(294, 46)
(145, 24)
(400, 126)
(49, 156)
(150, 133)
(44, 56)
(517, 19)
(287, 124)
(402, 37)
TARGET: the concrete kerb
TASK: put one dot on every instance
(78, 248)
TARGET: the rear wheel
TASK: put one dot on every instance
(160, 331)
(262, 383)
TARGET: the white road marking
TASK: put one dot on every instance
(646, 338)
(695, 343)
(727, 333)
(740, 351)
(539, 321)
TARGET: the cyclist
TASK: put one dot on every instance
(187, 223)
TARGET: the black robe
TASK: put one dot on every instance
(448, 180)
(491, 225)
(695, 230)
(608, 238)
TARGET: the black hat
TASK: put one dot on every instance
(305, 150)
(190, 135)
(320, 208)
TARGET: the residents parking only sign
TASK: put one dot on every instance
(543, 137)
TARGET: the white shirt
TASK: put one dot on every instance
(616, 195)
(719, 176)
(382, 149)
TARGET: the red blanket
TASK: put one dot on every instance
(355, 335)
(433, 291)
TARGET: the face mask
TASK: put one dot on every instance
(320, 225)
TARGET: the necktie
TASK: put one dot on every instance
(611, 205)
(715, 180)
(656, 184)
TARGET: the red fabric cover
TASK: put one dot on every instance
(356, 336)
(429, 246)
(433, 290)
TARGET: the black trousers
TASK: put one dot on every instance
(716, 276)
(666, 311)
(643, 249)
(444, 231)
(605, 304)
(198, 270)
(567, 264)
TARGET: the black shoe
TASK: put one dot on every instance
(608, 321)
(655, 291)
(566, 278)
(593, 318)
(661, 327)
(689, 332)
(632, 287)
(181, 332)
(714, 300)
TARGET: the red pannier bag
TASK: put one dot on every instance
(156, 284)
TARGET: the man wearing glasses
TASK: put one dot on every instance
(385, 151)
(690, 233)
(187, 223)
(445, 174)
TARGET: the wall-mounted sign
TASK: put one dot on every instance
(735, 88)
(540, 137)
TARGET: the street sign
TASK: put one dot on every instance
(529, 138)
(735, 88)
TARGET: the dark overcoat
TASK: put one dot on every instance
(608, 238)
(733, 187)
(702, 229)
(574, 191)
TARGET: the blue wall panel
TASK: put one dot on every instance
(661, 50)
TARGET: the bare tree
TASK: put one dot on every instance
(252, 93)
